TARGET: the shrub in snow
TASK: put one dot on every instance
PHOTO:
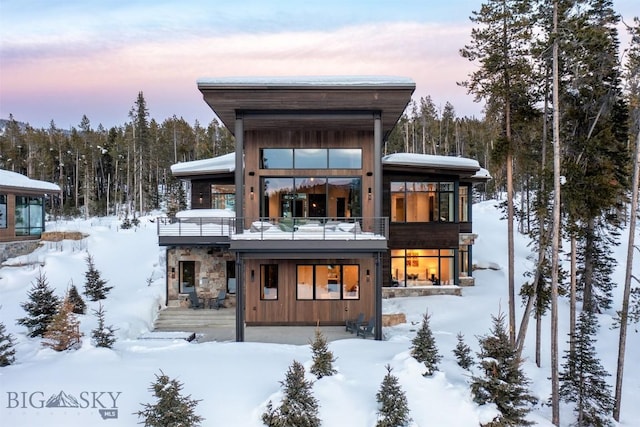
(79, 307)
(393, 409)
(102, 336)
(322, 358)
(423, 347)
(582, 381)
(299, 408)
(463, 353)
(95, 287)
(7, 352)
(63, 333)
(502, 382)
(171, 408)
(40, 308)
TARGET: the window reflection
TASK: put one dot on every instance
(311, 197)
(310, 158)
(269, 281)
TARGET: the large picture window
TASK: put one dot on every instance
(269, 281)
(29, 216)
(422, 267)
(422, 202)
(328, 282)
(311, 197)
(311, 158)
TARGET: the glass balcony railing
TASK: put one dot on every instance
(277, 228)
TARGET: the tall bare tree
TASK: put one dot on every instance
(500, 43)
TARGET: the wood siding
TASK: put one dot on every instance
(287, 310)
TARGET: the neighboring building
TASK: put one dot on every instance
(22, 211)
(297, 230)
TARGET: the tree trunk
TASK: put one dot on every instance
(572, 294)
(627, 282)
(555, 245)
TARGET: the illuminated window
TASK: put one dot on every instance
(328, 282)
(422, 201)
(422, 267)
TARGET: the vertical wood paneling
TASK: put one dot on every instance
(288, 310)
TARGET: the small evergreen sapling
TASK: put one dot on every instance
(582, 380)
(102, 336)
(322, 357)
(79, 306)
(299, 407)
(502, 382)
(7, 350)
(63, 333)
(423, 347)
(40, 308)
(95, 287)
(463, 353)
(171, 408)
(393, 409)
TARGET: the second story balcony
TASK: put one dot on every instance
(248, 233)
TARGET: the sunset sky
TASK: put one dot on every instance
(60, 60)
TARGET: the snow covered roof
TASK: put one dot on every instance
(430, 161)
(221, 164)
(306, 81)
(206, 213)
(321, 102)
(227, 163)
(14, 180)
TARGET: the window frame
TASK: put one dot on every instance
(343, 293)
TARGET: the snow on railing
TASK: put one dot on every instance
(278, 228)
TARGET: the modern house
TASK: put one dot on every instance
(22, 211)
(307, 223)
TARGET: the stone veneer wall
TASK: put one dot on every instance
(421, 291)
(212, 267)
(14, 249)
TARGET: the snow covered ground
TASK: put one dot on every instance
(234, 381)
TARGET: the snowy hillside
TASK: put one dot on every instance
(234, 381)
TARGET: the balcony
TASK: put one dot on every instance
(224, 231)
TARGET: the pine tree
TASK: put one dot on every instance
(171, 408)
(583, 377)
(63, 333)
(40, 308)
(299, 408)
(500, 43)
(322, 358)
(79, 306)
(423, 347)
(503, 382)
(94, 286)
(463, 353)
(7, 352)
(393, 409)
(102, 336)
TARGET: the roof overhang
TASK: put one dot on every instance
(308, 102)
